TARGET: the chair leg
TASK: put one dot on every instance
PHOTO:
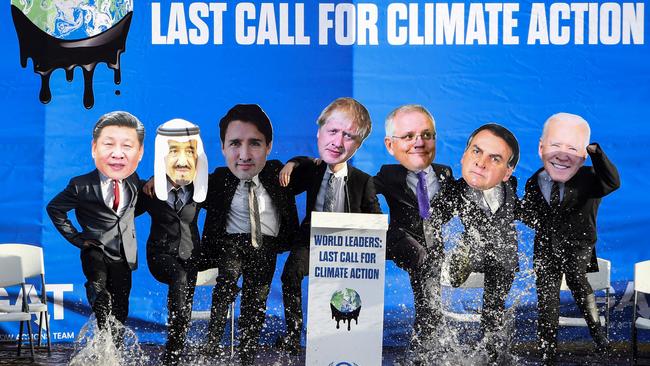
(634, 344)
(20, 337)
(232, 330)
(47, 325)
(40, 328)
(31, 340)
(634, 330)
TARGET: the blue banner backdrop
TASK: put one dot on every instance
(509, 73)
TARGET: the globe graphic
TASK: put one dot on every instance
(346, 301)
(74, 19)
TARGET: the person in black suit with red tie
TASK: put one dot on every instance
(104, 204)
(332, 185)
(181, 182)
(560, 203)
(414, 239)
(250, 218)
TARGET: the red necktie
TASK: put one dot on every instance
(116, 195)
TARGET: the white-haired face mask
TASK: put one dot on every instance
(180, 161)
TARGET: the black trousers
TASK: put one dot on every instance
(295, 269)
(549, 267)
(180, 276)
(108, 285)
(423, 265)
(425, 283)
(237, 257)
(497, 284)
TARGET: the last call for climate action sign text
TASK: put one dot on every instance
(397, 24)
(343, 256)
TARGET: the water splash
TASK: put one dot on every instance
(95, 346)
(458, 343)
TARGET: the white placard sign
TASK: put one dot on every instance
(345, 313)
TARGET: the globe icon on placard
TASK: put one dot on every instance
(74, 19)
(346, 306)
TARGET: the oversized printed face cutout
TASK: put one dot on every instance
(413, 143)
(180, 159)
(245, 149)
(338, 139)
(181, 162)
(69, 33)
(117, 151)
(485, 161)
(563, 149)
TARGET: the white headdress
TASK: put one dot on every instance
(182, 131)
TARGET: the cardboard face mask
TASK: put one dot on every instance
(180, 158)
(181, 162)
(563, 148)
(485, 161)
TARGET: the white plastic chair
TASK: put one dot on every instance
(475, 280)
(641, 285)
(599, 281)
(32, 262)
(209, 278)
(11, 274)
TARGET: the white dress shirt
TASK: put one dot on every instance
(183, 192)
(546, 184)
(339, 189)
(239, 222)
(106, 185)
(433, 186)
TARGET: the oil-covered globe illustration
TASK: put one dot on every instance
(65, 34)
(346, 306)
(74, 19)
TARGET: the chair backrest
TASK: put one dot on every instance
(642, 277)
(32, 257)
(598, 280)
(11, 271)
(474, 280)
(207, 277)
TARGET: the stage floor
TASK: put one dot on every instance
(570, 354)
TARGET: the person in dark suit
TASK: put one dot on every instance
(332, 185)
(173, 247)
(414, 239)
(560, 203)
(485, 200)
(250, 217)
(104, 204)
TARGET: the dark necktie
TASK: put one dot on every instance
(555, 195)
(116, 195)
(254, 214)
(423, 195)
(185, 245)
(178, 199)
(329, 204)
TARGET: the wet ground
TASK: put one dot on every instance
(571, 354)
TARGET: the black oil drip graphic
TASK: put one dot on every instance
(49, 53)
(341, 316)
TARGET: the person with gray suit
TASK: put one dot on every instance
(104, 204)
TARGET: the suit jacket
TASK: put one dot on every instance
(115, 235)
(403, 204)
(491, 237)
(169, 226)
(307, 176)
(222, 185)
(573, 224)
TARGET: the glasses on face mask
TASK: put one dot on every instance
(411, 137)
